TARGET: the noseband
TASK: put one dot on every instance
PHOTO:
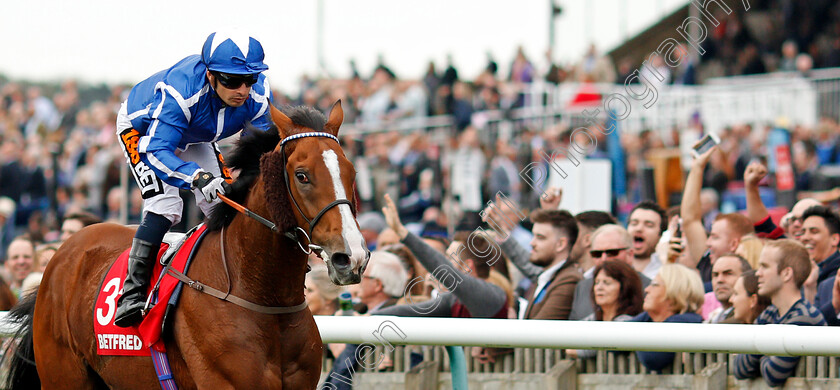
(314, 221)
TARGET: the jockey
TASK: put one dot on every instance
(168, 128)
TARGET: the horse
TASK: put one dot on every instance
(7, 297)
(296, 176)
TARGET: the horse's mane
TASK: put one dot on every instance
(247, 157)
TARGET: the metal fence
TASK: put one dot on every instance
(542, 360)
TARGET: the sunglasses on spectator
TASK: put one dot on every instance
(234, 81)
(609, 252)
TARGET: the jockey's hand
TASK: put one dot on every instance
(210, 186)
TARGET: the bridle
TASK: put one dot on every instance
(293, 234)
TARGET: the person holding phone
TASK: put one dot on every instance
(705, 144)
(727, 229)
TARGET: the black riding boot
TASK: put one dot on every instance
(141, 260)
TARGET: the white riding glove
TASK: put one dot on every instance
(211, 187)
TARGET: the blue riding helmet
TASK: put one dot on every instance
(233, 53)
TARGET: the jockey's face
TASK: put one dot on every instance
(233, 97)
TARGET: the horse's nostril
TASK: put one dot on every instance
(341, 260)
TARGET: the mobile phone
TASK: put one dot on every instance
(678, 232)
(707, 142)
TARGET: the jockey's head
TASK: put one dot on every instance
(234, 60)
(233, 53)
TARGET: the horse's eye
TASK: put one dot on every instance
(301, 177)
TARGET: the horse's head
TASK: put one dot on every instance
(309, 169)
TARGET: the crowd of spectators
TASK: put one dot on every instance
(712, 257)
(659, 267)
(776, 35)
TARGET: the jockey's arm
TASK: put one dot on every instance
(160, 143)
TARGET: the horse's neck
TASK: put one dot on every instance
(264, 266)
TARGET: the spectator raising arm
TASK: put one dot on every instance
(692, 215)
(481, 298)
(550, 200)
(756, 211)
(515, 252)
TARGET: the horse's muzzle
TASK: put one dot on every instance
(342, 271)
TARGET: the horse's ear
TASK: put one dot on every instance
(283, 123)
(336, 117)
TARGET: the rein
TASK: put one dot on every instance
(227, 296)
(240, 208)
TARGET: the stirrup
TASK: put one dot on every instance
(148, 305)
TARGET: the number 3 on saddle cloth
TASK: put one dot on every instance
(145, 338)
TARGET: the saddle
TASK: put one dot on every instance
(176, 252)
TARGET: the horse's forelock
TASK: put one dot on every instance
(305, 118)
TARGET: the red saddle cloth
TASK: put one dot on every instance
(135, 341)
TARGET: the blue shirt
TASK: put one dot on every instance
(657, 361)
(177, 107)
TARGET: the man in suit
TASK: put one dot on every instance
(552, 291)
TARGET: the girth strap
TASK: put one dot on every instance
(201, 287)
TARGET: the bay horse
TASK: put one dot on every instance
(296, 177)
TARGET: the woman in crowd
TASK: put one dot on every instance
(674, 295)
(321, 293)
(43, 253)
(617, 296)
(750, 248)
(747, 305)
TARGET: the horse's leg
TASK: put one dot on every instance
(207, 370)
(203, 333)
(59, 362)
(60, 368)
(64, 344)
(129, 372)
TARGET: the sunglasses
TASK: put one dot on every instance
(231, 81)
(609, 252)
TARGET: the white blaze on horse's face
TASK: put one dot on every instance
(354, 244)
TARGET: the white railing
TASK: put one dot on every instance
(674, 337)
(629, 336)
